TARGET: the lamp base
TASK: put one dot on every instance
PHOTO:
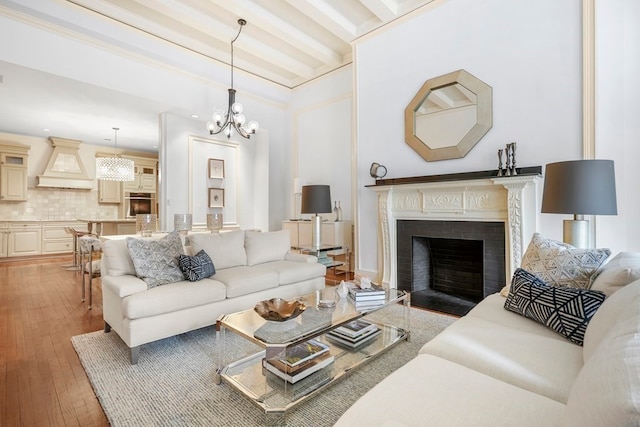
(316, 240)
(576, 232)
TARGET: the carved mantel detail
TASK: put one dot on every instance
(512, 200)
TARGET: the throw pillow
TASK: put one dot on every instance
(567, 311)
(156, 260)
(196, 267)
(621, 270)
(267, 246)
(560, 264)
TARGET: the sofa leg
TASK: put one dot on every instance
(135, 352)
(107, 327)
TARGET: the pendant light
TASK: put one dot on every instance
(233, 120)
(115, 168)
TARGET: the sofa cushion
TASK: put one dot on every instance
(621, 270)
(502, 348)
(431, 391)
(156, 260)
(118, 258)
(293, 271)
(246, 280)
(173, 297)
(266, 247)
(560, 264)
(607, 316)
(225, 249)
(565, 310)
(607, 390)
(196, 267)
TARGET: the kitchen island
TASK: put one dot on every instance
(110, 226)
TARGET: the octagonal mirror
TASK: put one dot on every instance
(448, 116)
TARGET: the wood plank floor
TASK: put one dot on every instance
(42, 382)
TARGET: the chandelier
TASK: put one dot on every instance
(233, 118)
(114, 168)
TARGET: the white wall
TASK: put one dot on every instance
(321, 118)
(184, 184)
(530, 53)
(617, 116)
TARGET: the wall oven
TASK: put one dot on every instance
(139, 203)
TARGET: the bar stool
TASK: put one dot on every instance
(89, 244)
(76, 250)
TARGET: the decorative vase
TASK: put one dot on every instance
(336, 212)
(339, 216)
(146, 224)
(182, 223)
(214, 222)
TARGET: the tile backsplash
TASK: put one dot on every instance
(51, 204)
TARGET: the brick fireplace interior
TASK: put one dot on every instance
(450, 266)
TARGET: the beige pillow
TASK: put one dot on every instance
(623, 269)
(225, 249)
(266, 247)
(560, 264)
(118, 258)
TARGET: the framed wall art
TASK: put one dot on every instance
(216, 168)
(216, 198)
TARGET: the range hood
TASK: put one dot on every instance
(65, 168)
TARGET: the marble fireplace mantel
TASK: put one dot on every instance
(458, 197)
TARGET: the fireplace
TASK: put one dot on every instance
(498, 213)
(450, 266)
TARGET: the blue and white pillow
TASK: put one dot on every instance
(567, 311)
(156, 260)
(197, 267)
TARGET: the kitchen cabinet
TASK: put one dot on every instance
(4, 239)
(145, 176)
(55, 238)
(109, 191)
(24, 238)
(13, 172)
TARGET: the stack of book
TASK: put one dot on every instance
(301, 361)
(354, 334)
(367, 298)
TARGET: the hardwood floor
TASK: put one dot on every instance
(42, 382)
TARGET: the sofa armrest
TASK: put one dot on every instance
(291, 256)
(123, 286)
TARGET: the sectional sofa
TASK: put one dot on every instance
(556, 356)
(163, 286)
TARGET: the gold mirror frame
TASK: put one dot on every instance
(484, 116)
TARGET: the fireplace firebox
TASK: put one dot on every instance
(450, 266)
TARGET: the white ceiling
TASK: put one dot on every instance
(287, 42)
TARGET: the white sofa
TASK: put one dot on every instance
(250, 267)
(494, 367)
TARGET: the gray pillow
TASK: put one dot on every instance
(156, 260)
(560, 264)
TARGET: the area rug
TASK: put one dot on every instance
(173, 382)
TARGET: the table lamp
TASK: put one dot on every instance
(316, 199)
(579, 187)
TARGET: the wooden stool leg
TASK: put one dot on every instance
(82, 270)
(90, 277)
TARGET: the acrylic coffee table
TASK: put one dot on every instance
(275, 396)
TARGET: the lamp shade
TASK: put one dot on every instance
(316, 199)
(580, 187)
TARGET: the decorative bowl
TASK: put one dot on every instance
(279, 310)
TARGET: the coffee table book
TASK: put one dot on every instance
(356, 328)
(295, 374)
(303, 352)
(373, 293)
(352, 342)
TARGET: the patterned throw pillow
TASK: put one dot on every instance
(197, 267)
(156, 260)
(560, 264)
(567, 311)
